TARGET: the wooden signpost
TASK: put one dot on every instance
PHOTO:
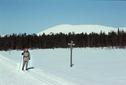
(71, 44)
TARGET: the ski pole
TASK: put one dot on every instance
(20, 63)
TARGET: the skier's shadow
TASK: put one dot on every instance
(30, 68)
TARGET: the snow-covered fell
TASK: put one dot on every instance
(66, 28)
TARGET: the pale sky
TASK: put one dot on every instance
(33, 16)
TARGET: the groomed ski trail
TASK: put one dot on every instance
(11, 75)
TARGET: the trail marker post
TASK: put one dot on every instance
(71, 44)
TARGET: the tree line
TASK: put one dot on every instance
(61, 40)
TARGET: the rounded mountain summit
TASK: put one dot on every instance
(67, 28)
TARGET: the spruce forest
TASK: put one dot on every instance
(61, 40)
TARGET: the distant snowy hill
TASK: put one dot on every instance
(66, 28)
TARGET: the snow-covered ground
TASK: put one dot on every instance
(92, 66)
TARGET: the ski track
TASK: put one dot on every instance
(10, 76)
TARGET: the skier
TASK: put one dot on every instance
(26, 58)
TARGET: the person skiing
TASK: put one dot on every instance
(26, 58)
